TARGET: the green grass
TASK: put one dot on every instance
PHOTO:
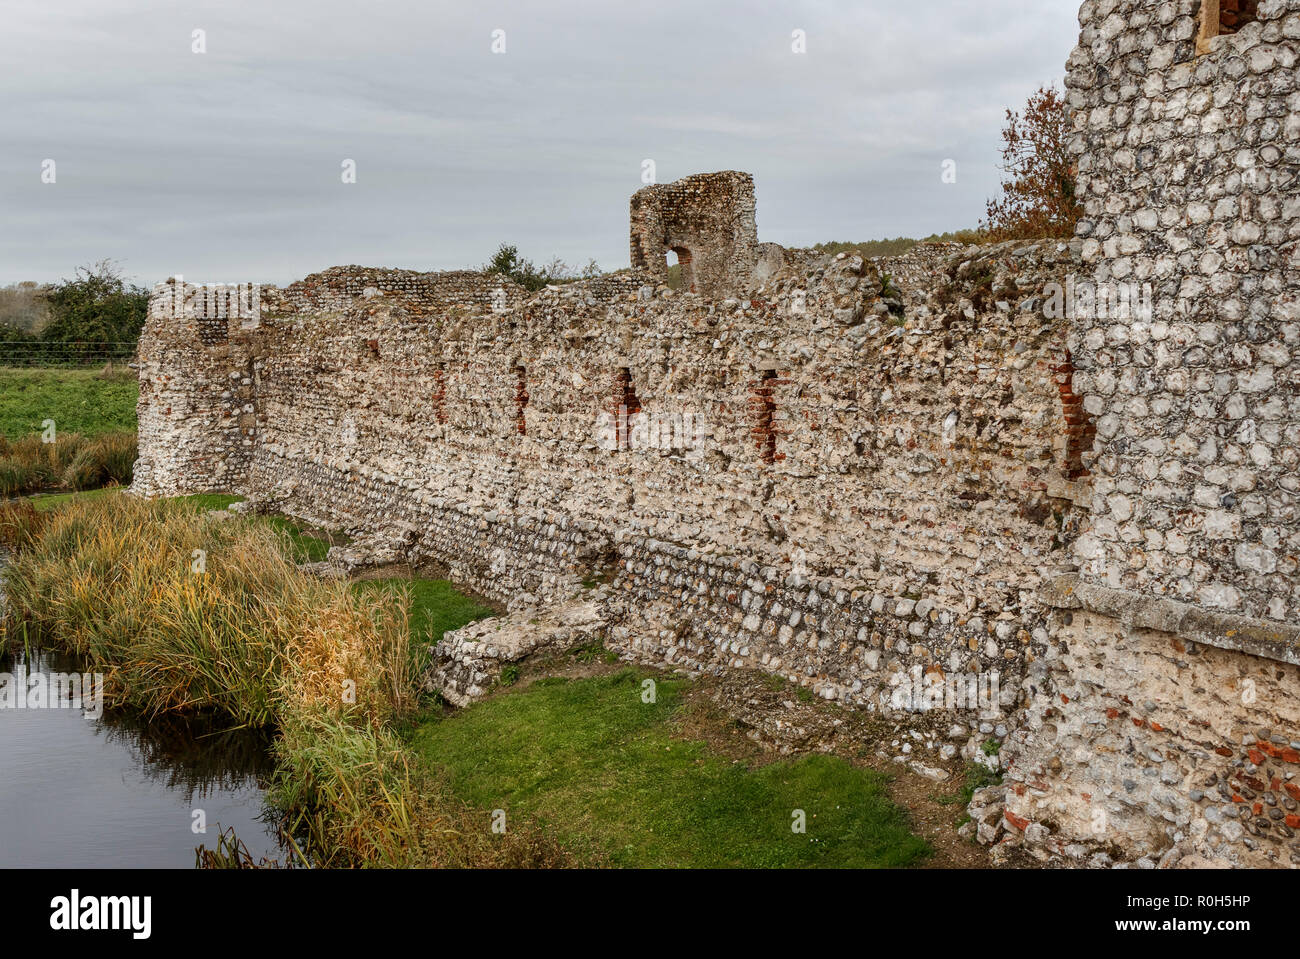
(209, 501)
(601, 771)
(307, 546)
(44, 502)
(436, 606)
(80, 401)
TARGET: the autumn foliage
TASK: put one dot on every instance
(1038, 196)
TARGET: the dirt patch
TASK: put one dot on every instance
(932, 820)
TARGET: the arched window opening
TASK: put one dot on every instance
(680, 274)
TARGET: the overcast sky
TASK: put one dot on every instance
(226, 166)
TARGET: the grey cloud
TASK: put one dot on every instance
(227, 164)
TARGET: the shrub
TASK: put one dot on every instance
(95, 306)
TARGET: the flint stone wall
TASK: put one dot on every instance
(826, 483)
(1189, 170)
(1164, 726)
(708, 221)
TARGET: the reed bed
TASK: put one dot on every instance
(72, 461)
(187, 611)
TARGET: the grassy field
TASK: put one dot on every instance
(79, 401)
(93, 438)
(593, 765)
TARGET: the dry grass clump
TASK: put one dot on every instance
(179, 610)
(72, 461)
(183, 611)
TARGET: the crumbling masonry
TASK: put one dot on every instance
(891, 482)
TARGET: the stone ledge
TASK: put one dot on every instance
(1243, 634)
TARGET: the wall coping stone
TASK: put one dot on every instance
(1245, 634)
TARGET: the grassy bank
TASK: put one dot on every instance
(185, 611)
(606, 773)
(244, 634)
(190, 612)
(70, 461)
(89, 402)
(92, 439)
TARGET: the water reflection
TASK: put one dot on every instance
(121, 791)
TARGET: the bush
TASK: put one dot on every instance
(96, 306)
(899, 246)
(507, 262)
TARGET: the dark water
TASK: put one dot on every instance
(89, 793)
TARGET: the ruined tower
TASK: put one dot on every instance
(1171, 723)
(707, 220)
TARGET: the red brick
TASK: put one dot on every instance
(1018, 821)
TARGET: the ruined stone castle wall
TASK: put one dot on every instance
(707, 220)
(817, 477)
(1072, 465)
